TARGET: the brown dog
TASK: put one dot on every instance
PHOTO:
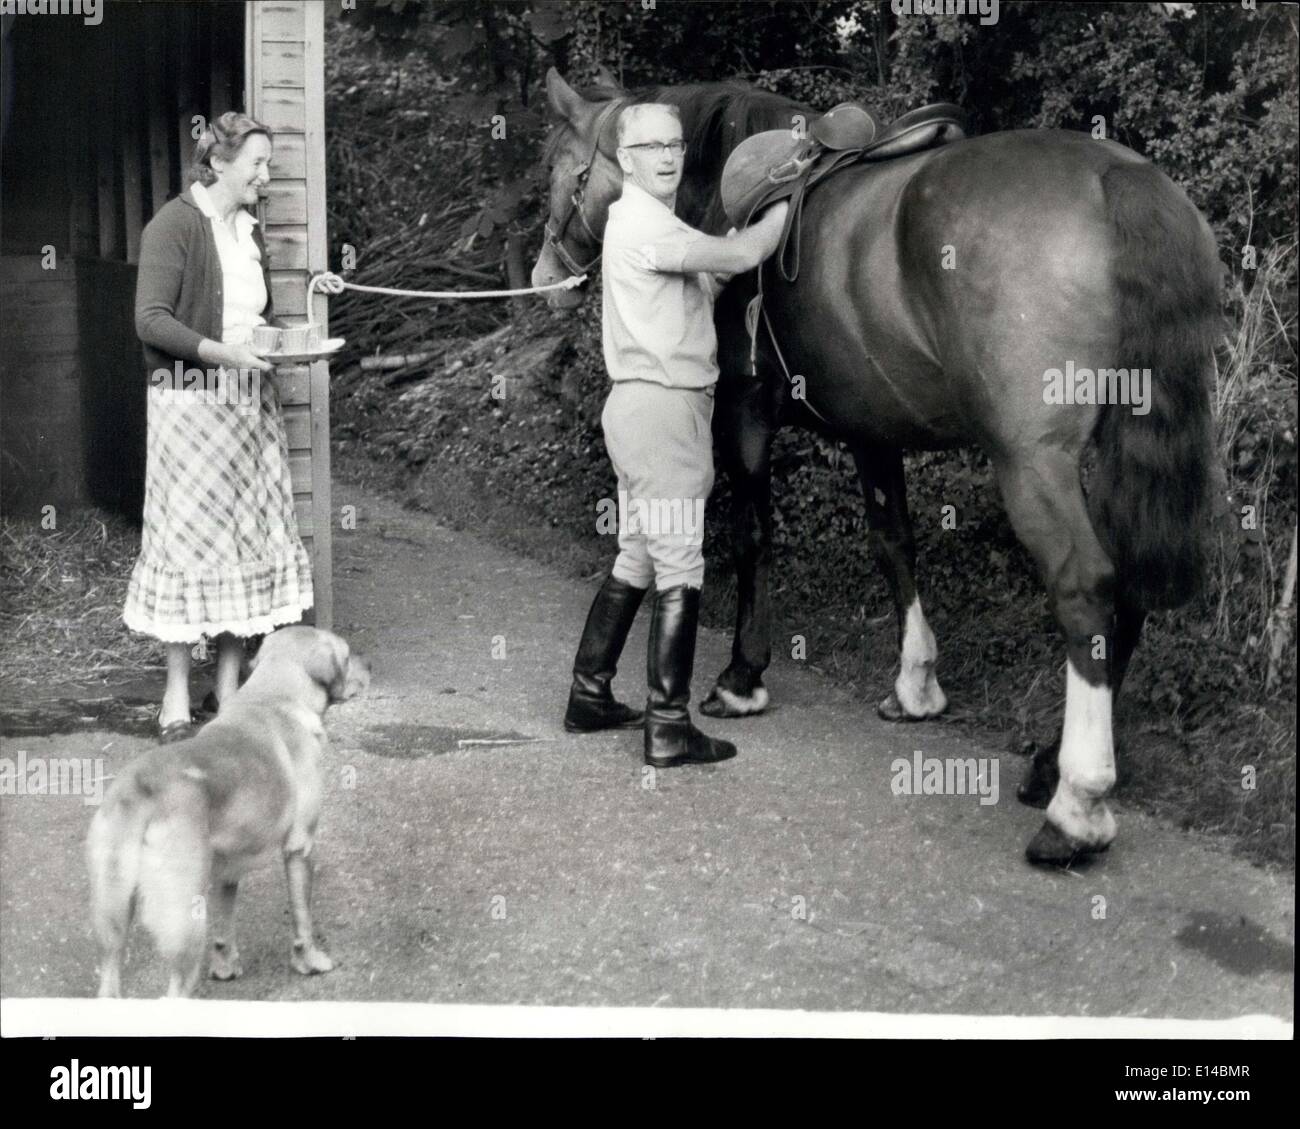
(201, 813)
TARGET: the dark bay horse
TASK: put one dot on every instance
(1030, 292)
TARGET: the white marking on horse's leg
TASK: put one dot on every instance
(738, 706)
(1087, 763)
(916, 687)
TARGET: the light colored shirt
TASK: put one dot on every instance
(658, 322)
(243, 285)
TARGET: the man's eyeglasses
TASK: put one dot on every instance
(656, 148)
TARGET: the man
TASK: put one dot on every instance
(659, 277)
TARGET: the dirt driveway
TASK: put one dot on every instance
(472, 851)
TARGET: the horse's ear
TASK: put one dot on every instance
(564, 100)
(605, 78)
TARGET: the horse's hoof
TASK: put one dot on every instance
(891, 709)
(1052, 847)
(726, 703)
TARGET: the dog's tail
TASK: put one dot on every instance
(175, 861)
(113, 859)
(149, 856)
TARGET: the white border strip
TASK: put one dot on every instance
(27, 1018)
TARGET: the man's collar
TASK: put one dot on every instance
(634, 192)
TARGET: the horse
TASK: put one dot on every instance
(991, 291)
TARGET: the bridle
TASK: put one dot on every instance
(554, 237)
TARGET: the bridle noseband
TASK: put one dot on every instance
(554, 237)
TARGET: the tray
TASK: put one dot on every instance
(326, 348)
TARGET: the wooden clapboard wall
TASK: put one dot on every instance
(284, 83)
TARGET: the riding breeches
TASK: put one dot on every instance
(660, 441)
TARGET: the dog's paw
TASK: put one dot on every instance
(308, 959)
(225, 964)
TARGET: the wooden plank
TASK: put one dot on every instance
(283, 109)
(25, 269)
(220, 71)
(252, 58)
(43, 350)
(158, 128)
(112, 243)
(297, 426)
(19, 298)
(289, 293)
(182, 45)
(286, 202)
(322, 492)
(287, 245)
(293, 382)
(18, 372)
(302, 509)
(130, 45)
(82, 214)
(40, 322)
(282, 64)
(283, 20)
(300, 471)
(287, 160)
(31, 346)
(318, 260)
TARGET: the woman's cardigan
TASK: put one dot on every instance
(178, 295)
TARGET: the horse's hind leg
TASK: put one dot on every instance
(916, 694)
(745, 426)
(1045, 503)
(1044, 773)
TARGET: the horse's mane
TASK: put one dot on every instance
(716, 117)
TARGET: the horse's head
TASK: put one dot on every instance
(585, 179)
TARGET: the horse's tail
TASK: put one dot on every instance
(1150, 498)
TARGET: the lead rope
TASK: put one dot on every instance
(331, 283)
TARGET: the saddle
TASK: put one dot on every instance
(775, 165)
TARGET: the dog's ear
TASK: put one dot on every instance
(350, 673)
(252, 651)
(337, 683)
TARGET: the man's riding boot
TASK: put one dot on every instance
(591, 702)
(670, 738)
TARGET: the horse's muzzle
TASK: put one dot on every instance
(547, 272)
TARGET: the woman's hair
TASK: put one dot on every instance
(222, 138)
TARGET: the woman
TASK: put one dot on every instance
(220, 554)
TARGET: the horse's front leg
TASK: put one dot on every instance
(744, 424)
(916, 694)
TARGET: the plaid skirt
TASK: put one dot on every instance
(220, 550)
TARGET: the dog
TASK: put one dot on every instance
(195, 816)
